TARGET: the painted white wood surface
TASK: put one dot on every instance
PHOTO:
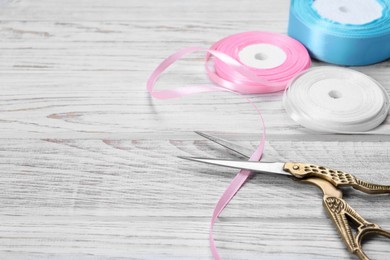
(88, 166)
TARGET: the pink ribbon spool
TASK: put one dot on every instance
(244, 63)
(261, 77)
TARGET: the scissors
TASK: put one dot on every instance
(328, 180)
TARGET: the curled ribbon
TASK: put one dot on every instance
(232, 75)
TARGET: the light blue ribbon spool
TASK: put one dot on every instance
(341, 43)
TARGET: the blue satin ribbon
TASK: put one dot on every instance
(337, 43)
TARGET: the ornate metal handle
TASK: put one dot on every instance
(340, 212)
(336, 177)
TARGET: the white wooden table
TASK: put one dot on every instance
(88, 166)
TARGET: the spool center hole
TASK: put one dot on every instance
(335, 94)
(261, 56)
(343, 9)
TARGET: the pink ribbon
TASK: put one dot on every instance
(229, 74)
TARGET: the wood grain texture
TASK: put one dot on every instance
(88, 166)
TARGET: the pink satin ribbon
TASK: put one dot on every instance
(229, 74)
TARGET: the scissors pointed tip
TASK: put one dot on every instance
(229, 145)
(202, 134)
(187, 158)
(198, 159)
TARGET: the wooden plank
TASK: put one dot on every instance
(77, 198)
(122, 10)
(110, 102)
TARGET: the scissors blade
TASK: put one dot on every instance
(243, 151)
(269, 167)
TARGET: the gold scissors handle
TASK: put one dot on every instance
(336, 177)
(338, 210)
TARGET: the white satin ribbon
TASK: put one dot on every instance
(337, 100)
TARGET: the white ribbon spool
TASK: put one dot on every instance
(337, 100)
